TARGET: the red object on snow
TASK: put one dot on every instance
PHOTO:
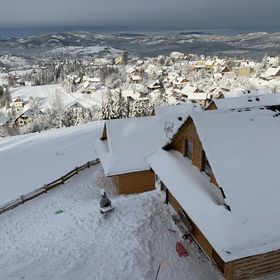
(181, 250)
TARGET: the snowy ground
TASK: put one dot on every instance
(29, 161)
(79, 244)
(46, 92)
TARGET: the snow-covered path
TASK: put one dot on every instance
(80, 244)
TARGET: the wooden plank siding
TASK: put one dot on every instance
(212, 106)
(188, 133)
(136, 182)
(254, 267)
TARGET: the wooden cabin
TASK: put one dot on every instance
(121, 150)
(124, 144)
(224, 194)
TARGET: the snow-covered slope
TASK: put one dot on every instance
(79, 244)
(45, 94)
(29, 161)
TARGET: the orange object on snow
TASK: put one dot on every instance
(181, 250)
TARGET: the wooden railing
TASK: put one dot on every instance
(26, 197)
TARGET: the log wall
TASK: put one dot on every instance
(254, 267)
(136, 182)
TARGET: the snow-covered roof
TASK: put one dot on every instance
(243, 150)
(189, 90)
(75, 104)
(136, 78)
(209, 62)
(247, 101)
(179, 109)
(198, 96)
(17, 99)
(181, 80)
(245, 92)
(129, 140)
(271, 73)
(154, 84)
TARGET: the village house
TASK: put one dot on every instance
(196, 95)
(132, 71)
(136, 94)
(273, 61)
(76, 106)
(135, 79)
(120, 60)
(154, 85)
(26, 119)
(17, 104)
(213, 178)
(246, 102)
(243, 71)
(209, 64)
(90, 87)
(224, 70)
(271, 73)
(180, 82)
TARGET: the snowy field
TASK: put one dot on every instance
(29, 161)
(46, 92)
(80, 244)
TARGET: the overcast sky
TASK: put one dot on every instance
(141, 13)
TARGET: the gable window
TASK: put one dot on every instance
(189, 149)
(206, 165)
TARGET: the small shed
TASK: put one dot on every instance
(125, 142)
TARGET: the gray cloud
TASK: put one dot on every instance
(142, 13)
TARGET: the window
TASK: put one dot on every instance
(189, 149)
(207, 168)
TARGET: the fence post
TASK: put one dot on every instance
(45, 188)
(62, 180)
(88, 165)
(22, 199)
(77, 170)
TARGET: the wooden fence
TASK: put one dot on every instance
(26, 197)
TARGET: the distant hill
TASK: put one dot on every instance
(251, 45)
